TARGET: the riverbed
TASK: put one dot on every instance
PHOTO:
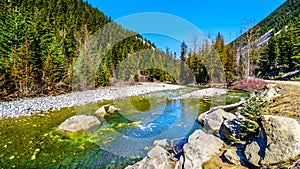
(122, 139)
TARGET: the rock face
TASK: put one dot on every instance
(281, 142)
(212, 121)
(200, 148)
(79, 123)
(282, 139)
(158, 158)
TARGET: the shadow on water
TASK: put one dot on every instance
(122, 139)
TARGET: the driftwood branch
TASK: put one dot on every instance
(203, 115)
(227, 106)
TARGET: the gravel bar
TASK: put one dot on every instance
(28, 107)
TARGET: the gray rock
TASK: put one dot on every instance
(282, 139)
(163, 143)
(112, 109)
(230, 128)
(79, 123)
(212, 121)
(101, 112)
(157, 158)
(200, 148)
(271, 93)
(157, 151)
(232, 156)
(251, 152)
(106, 109)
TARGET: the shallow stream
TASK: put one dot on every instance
(122, 139)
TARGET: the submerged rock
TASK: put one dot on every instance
(200, 148)
(79, 123)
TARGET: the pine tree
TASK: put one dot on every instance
(24, 77)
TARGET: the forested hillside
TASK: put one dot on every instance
(286, 14)
(41, 40)
(282, 53)
(272, 54)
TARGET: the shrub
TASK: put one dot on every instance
(251, 110)
(252, 84)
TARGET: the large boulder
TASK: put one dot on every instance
(158, 158)
(200, 148)
(212, 120)
(79, 123)
(282, 139)
(280, 142)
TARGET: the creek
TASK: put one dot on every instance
(122, 139)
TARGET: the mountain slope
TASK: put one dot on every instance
(286, 14)
(40, 42)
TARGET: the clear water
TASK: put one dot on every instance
(122, 139)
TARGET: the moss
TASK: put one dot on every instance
(35, 142)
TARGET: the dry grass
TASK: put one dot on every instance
(288, 104)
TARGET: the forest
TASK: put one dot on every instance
(54, 47)
(282, 53)
(40, 42)
(48, 47)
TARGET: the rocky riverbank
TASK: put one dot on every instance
(222, 144)
(28, 107)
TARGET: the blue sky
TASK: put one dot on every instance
(209, 16)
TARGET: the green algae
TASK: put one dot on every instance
(140, 103)
(35, 142)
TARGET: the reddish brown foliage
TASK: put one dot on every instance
(252, 84)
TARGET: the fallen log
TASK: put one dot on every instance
(203, 115)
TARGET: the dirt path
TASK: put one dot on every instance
(284, 82)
